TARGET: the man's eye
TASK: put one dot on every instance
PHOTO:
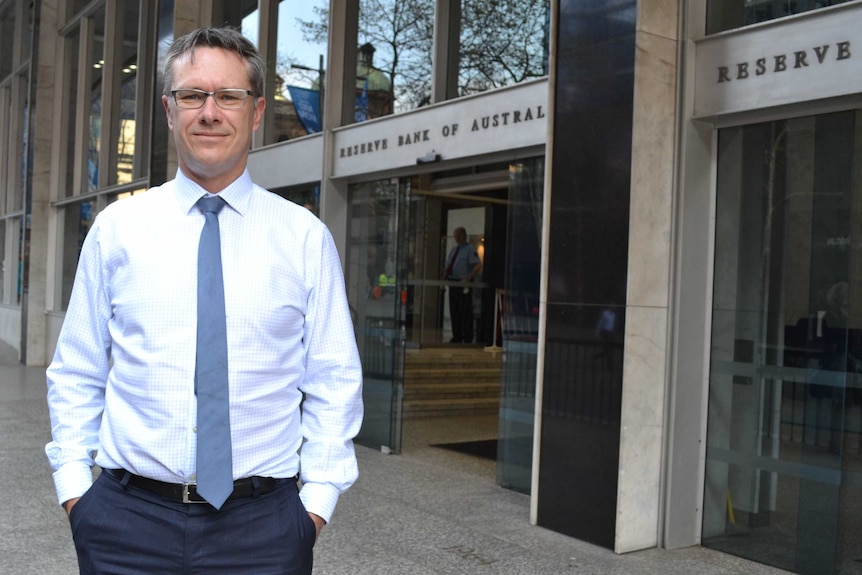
(190, 97)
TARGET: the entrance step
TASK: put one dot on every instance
(451, 380)
(449, 407)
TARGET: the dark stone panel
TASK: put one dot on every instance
(591, 180)
(587, 269)
(591, 23)
(581, 408)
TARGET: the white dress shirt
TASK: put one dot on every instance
(121, 384)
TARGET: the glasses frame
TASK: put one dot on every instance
(184, 106)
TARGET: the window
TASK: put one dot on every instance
(502, 43)
(723, 15)
(105, 116)
(16, 37)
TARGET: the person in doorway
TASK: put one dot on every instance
(207, 363)
(462, 265)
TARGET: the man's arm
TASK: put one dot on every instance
(332, 409)
(76, 378)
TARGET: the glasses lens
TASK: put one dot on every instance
(230, 98)
(189, 98)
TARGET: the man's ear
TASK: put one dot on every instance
(166, 102)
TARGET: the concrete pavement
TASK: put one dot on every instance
(427, 511)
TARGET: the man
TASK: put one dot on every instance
(128, 377)
(462, 265)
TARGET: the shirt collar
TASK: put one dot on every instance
(237, 194)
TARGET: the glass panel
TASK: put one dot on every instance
(7, 39)
(75, 6)
(393, 64)
(72, 45)
(23, 253)
(308, 196)
(21, 151)
(300, 51)
(7, 146)
(502, 43)
(123, 195)
(785, 401)
(128, 73)
(97, 62)
(7, 265)
(723, 15)
(77, 221)
(378, 313)
(517, 312)
(27, 39)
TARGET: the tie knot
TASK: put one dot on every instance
(211, 204)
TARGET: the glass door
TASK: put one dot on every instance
(377, 303)
(784, 439)
(517, 314)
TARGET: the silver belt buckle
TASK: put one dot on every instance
(186, 499)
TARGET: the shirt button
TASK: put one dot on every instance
(195, 429)
(193, 478)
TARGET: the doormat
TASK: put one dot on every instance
(486, 448)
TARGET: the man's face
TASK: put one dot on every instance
(212, 143)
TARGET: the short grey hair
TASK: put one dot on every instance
(228, 38)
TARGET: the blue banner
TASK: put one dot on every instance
(307, 105)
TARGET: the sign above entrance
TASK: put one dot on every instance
(809, 57)
(505, 119)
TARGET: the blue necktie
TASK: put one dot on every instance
(214, 467)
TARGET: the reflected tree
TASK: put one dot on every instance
(502, 42)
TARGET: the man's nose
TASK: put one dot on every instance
(210, 111)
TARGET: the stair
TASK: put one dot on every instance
(451, 380)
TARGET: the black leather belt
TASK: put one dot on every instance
(187, 492)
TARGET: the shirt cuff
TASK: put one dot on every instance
(72, 480)
(319, 498)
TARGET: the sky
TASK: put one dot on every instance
(290, 42)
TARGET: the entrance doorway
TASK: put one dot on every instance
(423, 390)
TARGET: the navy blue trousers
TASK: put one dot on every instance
(123, 530)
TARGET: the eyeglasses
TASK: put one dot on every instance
(227, 99)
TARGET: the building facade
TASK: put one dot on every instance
(663, 193)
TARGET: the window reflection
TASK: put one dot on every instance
(72, 45)
(127, 72)
(6, 263)
(502, 43)
(300, 51)
(95, 118)
(396, 41)
(723, 15)
(306, 196)
(77, 220)
(7, 38)
(124, 195)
